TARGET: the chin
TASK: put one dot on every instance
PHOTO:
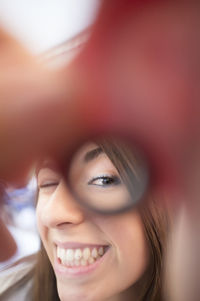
(64, 296)
(78, 294)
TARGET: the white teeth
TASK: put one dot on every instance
(78, 257)
(86, 253)
(64, 258)
(62, 255)
(94, 253)
(70, 254)
(90, 260)
(61, 252)
(83, 262)
(78, 254)
(100, 251)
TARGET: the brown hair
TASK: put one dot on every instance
(155, 221)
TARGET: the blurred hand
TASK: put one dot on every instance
(8, 244)
(141, 74)
(36, 110)
(136, 75)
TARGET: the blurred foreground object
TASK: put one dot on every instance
(8, 246)
(35, 110)
(7, 242)
(141, 76)
(138, 74)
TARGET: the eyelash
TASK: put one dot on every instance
(114, 180)
(48, 185)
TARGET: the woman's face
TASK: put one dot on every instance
(94, 257)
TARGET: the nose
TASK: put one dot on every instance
(61, 209)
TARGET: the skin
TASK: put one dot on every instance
(61, 218)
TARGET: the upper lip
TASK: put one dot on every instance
(75, 245)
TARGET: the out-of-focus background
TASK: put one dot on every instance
(18, 213)
(43, 24)
(53, 30)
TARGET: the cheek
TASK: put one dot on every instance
(39, 220)
(127, 236)
(133, 250)
(42, 228)
(38, 216)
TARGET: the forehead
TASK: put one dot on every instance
(87, 153)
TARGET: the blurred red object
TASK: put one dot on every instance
(139, 71)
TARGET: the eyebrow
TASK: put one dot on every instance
(93, 154)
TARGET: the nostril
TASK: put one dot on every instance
(70, 218)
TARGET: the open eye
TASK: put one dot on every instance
(105, 181)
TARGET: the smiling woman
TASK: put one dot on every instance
(88, 256)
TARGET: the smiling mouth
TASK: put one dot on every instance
(80, 257)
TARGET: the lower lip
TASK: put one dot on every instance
(80, 270)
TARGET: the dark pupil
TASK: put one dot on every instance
(106, 181)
